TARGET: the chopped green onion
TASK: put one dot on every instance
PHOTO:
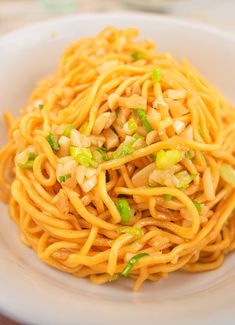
(198, 205)
(83, 159)
(227, 172)
(103, 153)
(132, 125)
(83, 156)
(126, 148)
(64, 178)
(74, 151)
(136, 136)
(168, 197)
(132, 262)
(97, 157)
(137, 55)
(29, 162)
(124, 210)
(165, 159)
(189, 154)
(156, 75)
(32, 155)
(143, 118)
(51, 139)
(123, 150)
(131, 230)
(184, 179)
(40, 106)
(67, 130)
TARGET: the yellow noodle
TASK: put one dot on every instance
(68, 208)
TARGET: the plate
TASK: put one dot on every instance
(34, 293)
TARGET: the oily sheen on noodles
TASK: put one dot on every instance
(122, 164)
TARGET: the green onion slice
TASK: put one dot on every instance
(165, 159)
(137, 55)
(227, 172)
(29, 162)
(103, 153)
(189, 154)
(126, 148)
(83, 156)
(97, 157)
(131, 230)
(123, 150)
(132, 125)
(124, 210)
(40, 106)
(143, 118)
(136, 136)
(64, 178)
(74, 151)
(198, 205)
(67, 130)
(51, 139)
(132, 262)
(184, 179)
(168, 197)
(156, 75)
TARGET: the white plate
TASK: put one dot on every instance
(37, 294)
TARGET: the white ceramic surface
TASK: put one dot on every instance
(37, 294)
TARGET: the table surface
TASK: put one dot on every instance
(18, 13)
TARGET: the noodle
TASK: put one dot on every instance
(122, 163)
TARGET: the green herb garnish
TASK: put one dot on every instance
(168, 197)
(131, 230)
(189, 154)
(29, 162)
(83, 156)
(198, 205)
(123, 150)
(143, 118)
(67, 130)
(124, 210)
(184, 179)
(132, 125)
(51, 139)
(103, 153)
(64, 178)
(137, 56)
(166, 159)
(132, 262)
(156, 75)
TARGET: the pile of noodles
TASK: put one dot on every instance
(122, 164)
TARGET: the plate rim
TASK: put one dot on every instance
(50, 23)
